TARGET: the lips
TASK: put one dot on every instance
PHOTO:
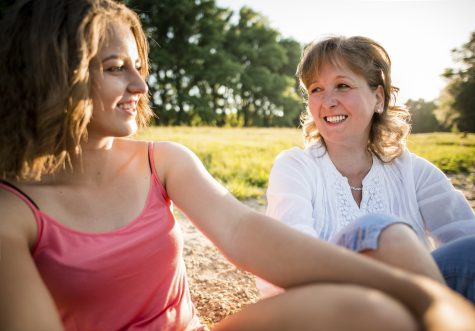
(335, 119)
(129, 107)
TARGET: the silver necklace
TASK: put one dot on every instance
(353, 188)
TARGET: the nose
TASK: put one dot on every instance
(329, 100)
(137, 84)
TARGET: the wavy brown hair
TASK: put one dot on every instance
(46, 49)
(369, 59)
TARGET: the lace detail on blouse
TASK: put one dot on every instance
(345, 204)
(372, 201)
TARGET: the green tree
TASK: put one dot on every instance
(458, 98)
(265, 92)
(207, 68)
(292, 98)
(185, 57)
(422, 116)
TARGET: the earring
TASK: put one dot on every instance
(379, 110)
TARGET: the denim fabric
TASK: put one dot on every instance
(363, 233)
(456, 261)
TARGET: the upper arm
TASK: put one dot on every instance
(198, 195)
(290, 195)
(446, 212)
(25, 303)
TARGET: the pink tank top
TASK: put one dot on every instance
(132, 278)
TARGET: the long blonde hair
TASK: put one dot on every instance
(369, 59)
(46, 48)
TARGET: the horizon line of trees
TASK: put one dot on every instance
(454, 110)
(212, 66)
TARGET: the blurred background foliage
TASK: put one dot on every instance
(211, 66)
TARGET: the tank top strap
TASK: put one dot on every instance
(19, 193)
(153, 169)
(30, 203)
(151, 159)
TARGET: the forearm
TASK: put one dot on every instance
(288, 258)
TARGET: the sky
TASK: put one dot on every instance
(418, 35)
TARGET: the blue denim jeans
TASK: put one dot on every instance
(456, 260)
(363, 233)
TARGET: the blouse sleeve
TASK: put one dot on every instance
(290, 193)
(445, 211)
(289, 199)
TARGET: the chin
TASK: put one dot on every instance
(131, 133)
(127, 132)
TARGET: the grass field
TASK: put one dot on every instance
(242, 158)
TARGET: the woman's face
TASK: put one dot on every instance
(342, 105)
(117, 85)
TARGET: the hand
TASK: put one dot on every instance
(447, 311)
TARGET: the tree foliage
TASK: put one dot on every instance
(212, 67)
(457, 101)
(423, 117)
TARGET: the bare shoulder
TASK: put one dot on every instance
(25, 301)
(171, 153)
(17, 219)
(171, 157)
(171, 147)
(162, 149)
(130, 145)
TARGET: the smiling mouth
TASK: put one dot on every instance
(335, 119)
(128, 107)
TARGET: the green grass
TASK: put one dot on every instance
(450, 152)
(242, 158)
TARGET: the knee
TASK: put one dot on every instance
(399, 235)
(380, 311)
(358, 307)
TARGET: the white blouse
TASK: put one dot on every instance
(308, 193)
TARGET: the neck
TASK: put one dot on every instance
(353, 163)
(92, 165)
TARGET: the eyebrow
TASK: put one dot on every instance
(343, 76)
(336, 77)
(117, 56)
(112, 57)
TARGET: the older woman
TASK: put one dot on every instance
(356, 183)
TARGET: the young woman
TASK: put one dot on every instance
(356, 165)
(88, 241)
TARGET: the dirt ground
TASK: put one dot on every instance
(219, 289)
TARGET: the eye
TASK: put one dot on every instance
(116, 68)
(315, 90)
(343, 86)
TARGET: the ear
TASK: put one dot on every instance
(379, 94)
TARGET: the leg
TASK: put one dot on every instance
(386, 238)
(399, 246)
(456, 261)
(323, 307)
